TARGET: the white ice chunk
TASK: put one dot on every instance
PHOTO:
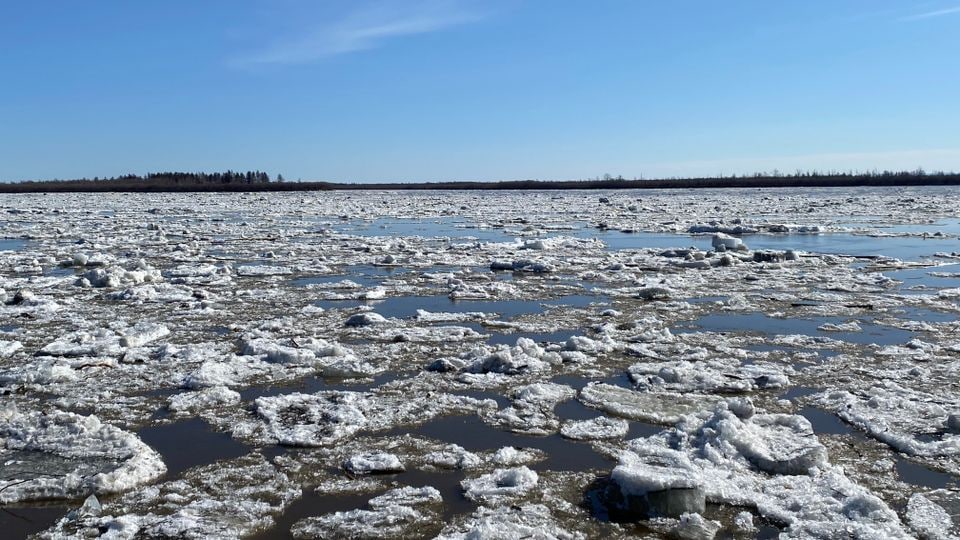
(262, 270)
(658, 407)
(601, 427)
(850, 326)
(312, 420)
(928, 518)
(509, 456)
(365, 319)
(231, 499)
(715, 375)
(501, 483)
(82, 343)
(511, 521)
(525, 357)
(771, 463)
(374, 462)
(142, 333)
(324, 418)
(722, 242)
(214, 396)
(532, 409)
(399, 513)
(116, 276)
(7, 348)
(453, 456)
(696, 527)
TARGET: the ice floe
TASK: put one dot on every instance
(228, 500)
(61, 455)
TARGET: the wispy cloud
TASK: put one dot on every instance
(363, 29)
(932, 14)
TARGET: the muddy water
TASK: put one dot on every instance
(825, 423)
(469, 432)
(20, 521)
(918, 475)
(313, 383)
(474, 435)
(312, 504)
(190, 443)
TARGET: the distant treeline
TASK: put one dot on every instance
(760, 180)
(162, 181)
(259, 181)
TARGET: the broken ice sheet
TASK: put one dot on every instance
(399, 513)
(324, 418)
(920, 424)
(60, 455)
(500, 484)
(658, 408)
(224, 500)
(710, 376)
(772, 463)
(224, 276)
(532, 409)
(526, 521)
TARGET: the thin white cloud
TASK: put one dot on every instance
(932, 14)
(367, 28)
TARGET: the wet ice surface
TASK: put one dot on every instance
(572, 364)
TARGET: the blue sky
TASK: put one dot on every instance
(359, 90)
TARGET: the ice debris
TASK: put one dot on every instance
(54, 454)
(899, 417)
(500, 484)
(399, 513)
(225, 500)
(373, 463)
(510, 521)
(772, 463)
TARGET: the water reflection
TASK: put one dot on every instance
(403, 307)
(11, 244)
(473, 434)
(761, 323)
(206, 445)
(923, 281)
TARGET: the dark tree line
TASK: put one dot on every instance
(229, 177)
(160, 181)
(260, 181)
(917, 177)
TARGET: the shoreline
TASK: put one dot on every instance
(125, 186)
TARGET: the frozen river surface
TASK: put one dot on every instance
(683, 364)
